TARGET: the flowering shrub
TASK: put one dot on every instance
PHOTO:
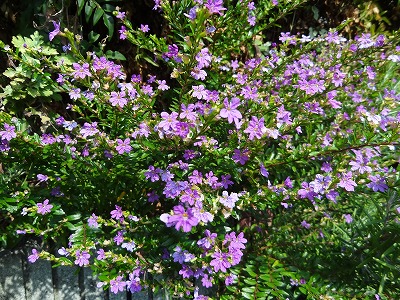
(236, 172)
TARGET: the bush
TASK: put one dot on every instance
(257, 170)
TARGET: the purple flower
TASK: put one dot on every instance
(212, 180)
(220, 261)
(180, 219)
(81, 71)
(44, 208)
(169, 121)
(101, 254)
(215, 6)
(62, 251)
(263, 170)
(199, 92)
(89, 129)
(283, 117)
(42, 177)
(56, 30)
(162, 85)
(117, 213)
(196, 177)
(228, 200)
(201, 214)
(255, 128)
(82, 258)
(34, 256)
(8, 133)
(305, 224)
(129, 246)
(117, 284)
(348, 218)
(208, 241)
(240, 157)
(377, 183)
(119, 238)
(203, 58)
(123, 33)
(118, 98)
(230, 112)
(230, 279)
(235, 242)
(144, 28)
(123, 146)
(92, 221)
(186, 272)
(225, 181)
(152, 174)
(346, 182)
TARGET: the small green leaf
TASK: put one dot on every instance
(88, 11)
(97, 15)
(93, 36)
(81, 3)
(115, 55)
(109, 22)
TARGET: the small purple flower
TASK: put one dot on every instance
(215, 6)
(348, 218)
(129, 246)
(62, 251)
(123, 146)
(44, 208)
(169, 121)
(42, 178)
(82, 258)
(101, 254)
(228, 200)
(117, 213)
(377, 183)
(123, 33)
(118, 98)
(144, 28)
(121, 15)
(305, 224)
(256, 128)
(220, 261)
(55, 32)
(230, 112)
(240, 157)
(346, 182)
(92, 221)
(8, 133)
(34, 256)
(180, 219)
(117, 285)
(81, 71)
(203, 58)
(119, 238)
(263, 171)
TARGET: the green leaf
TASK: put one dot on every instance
(149, 60)
(97, 15)
(115, 55)
(81, 3)
(89, 7)
(108, 8)
(93, 36)
(109, 22)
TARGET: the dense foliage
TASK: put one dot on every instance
(252, 169)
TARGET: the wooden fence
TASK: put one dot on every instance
(22, 280)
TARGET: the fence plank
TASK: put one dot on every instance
(39, 284)
(12, 285)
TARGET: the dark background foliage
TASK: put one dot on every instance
(25, 16)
